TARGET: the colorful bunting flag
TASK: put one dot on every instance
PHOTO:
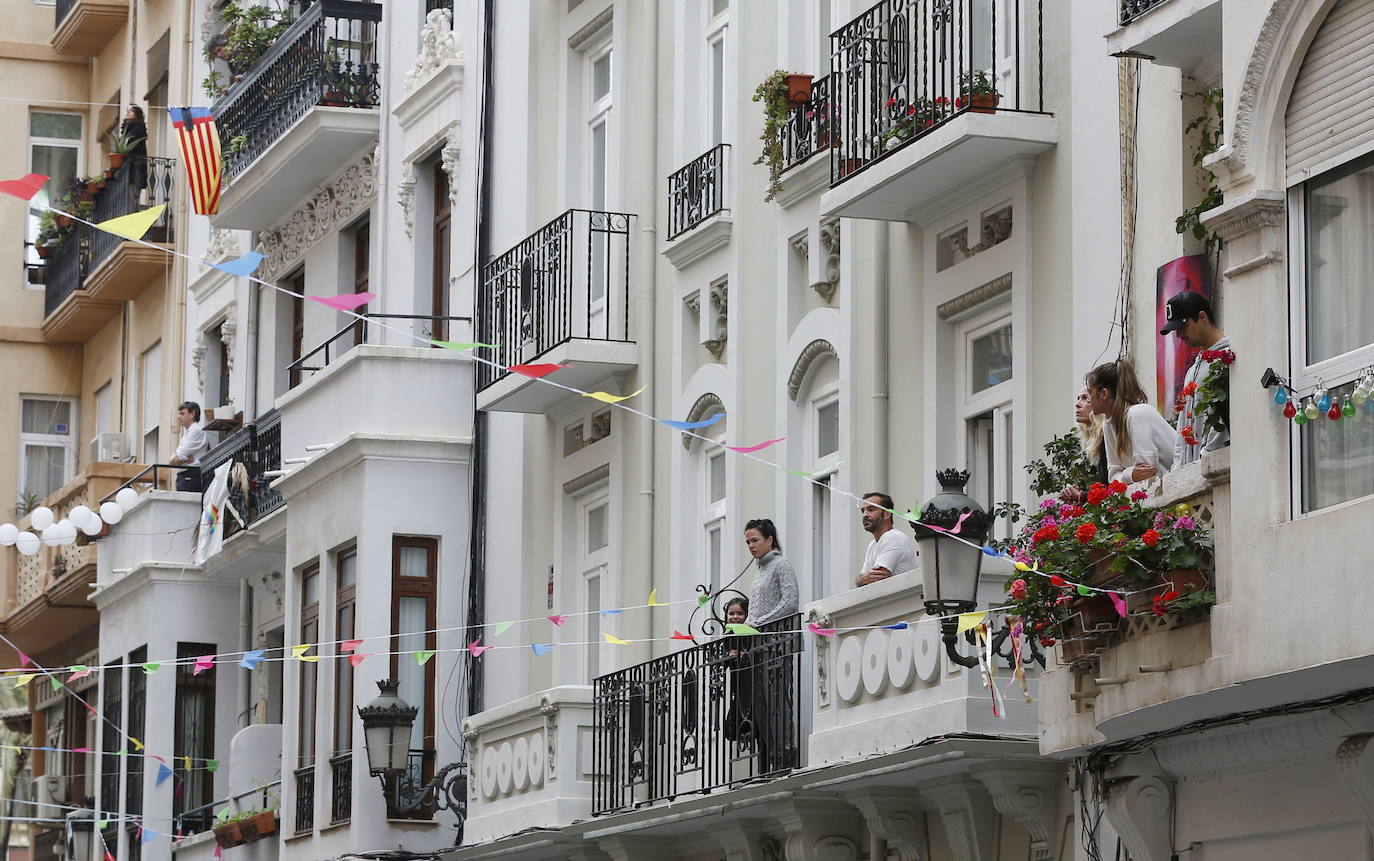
(163, 772)
(344, 301)
(819, 631)
(612, 399)
(462, 346)
(200, 154)
(969, 621)
(422, 657)
(350, 645)
(476, 649)
(203, 663)
(541, 648)
(960, 524)
(615, 641)
(818, 473)
(557, 620)
(148, 836)
(896, 626)
(653, 599)
(25, 187)
(151, 667)
(212, 765)
(500, 628)
(356, 658)
(746, 449)
(1085, 591)
(611, 612)
(252, 659)
(78, 671)
(743, 630)
(536, 371)
(678, 635)
(244, 265)
(133, 225)
(22, 680)
(299, 653)
(686, 426)
(56, 683)
(1119, 603)
(703, 600)
(186, 762)
(25, 660)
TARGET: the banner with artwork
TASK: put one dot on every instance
(1172, 356)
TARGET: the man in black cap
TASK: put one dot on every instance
(1189, 316)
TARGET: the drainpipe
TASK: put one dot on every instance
(245, 643)
(648, 255)
(882, 361)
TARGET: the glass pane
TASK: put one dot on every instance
(828, 429)
(45, 469)
(596, 528)
(310, 589)
(820, 538)
(601, 77)
(599, 166)
(42, 125)
(1338, 457)
(718, 91)
(58, 163)
(410, 617)
(713, 555)
(717, 477)
(413, 561)
(1340, 219)
(103, 402)
(348, 570)
(990, 360)
(593, 626)
(718, 7)
(47, 417)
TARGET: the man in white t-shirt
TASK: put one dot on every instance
(890, 552)
(193, 444)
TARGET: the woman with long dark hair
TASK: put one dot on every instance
(135, 128)
(774, 593)
(1139, 442)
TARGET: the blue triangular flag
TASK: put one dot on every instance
(610, 612)
(163, 772)
(541, 648)
(244, 265)
(149, 835)
(900, 626)
(251, 659)
(989, 551)
(693, 425)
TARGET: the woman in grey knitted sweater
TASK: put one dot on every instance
(774, 593)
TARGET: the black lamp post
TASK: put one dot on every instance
(949, 567)
(387, 722)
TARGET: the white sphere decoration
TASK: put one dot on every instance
(126, 497)
(68, 532)
(52, 536)
(79, 515)
(111, 513)
(41, 517)
(93, 525)
(27, 543)
(8, 532)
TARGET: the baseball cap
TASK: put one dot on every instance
(1182, 307)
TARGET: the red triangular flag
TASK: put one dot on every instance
(356, 659)
(678, 635)
(542, 370)
(24, 188)
(109, 857)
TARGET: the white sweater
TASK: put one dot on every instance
(1152, 442)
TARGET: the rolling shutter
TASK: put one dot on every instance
(1330, 111)
(152, 388)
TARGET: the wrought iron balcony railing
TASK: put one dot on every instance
(305, 799)
(123, 194)
(1133, 9)
(569, 279)
(431, 5)
(699, 719)
(697, 191)
(905, 68)
(341, 787)
(63, 8)
(67, 267)
(807, 130)
(258, 448)
(328, 56)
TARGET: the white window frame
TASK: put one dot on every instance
(999, 400)
(1332, 372)
(78, 144)
(66, 441)
(821, 398)
(717, 90)
(713, 513)
(592, 565)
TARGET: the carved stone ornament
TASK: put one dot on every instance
(222, 245)
(808, 357)
(439, 44)
(817, 829)
(894, 816)
(830, 275)
(329, 208)
(549, 709)
(822, 661)
(226, 335)
(1026, 793)
(705, 406)
(448, 159)
(405, 196)
(1140, 809)
(198, 362)
(718, 318)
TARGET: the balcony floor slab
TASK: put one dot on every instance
(1185, 34)
(127, 271)
(589, 364)
(89, 26)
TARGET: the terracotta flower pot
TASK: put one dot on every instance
(984, 103)
(847, 166)
(1095, 610)
(799, 89)
(44, 251)
(62, 221)
(229, 835)
(117, 160)
(1182, 581)
(264, 824)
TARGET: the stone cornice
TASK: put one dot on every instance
(1255, 210)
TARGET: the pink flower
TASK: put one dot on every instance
(1138, 495)
(1018, 590)
(1047, 504)
(1185, 522)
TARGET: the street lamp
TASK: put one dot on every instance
(387, 722)
(950, 567)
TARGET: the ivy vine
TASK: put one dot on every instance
(773, 93)
(1208, 128)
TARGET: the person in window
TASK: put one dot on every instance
(219, 52)
(135, 128)
(193, 446)
(774, 593)
(1090, 435)
(890, 552)
(1190, 317)
(1139, 442)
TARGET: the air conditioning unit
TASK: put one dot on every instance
(50, 796)
(110, 447)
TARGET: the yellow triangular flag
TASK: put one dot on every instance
(969, 621)
(138, 745)
(186, 760)
(299, 652)
(20, 681)
(616, 641)
(134, 225)
(612, 399)
(1021, 566)
(653, 599)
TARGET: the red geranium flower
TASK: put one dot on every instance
(1096, 494)
(1149, 538)
(1045, 533)
(1085, 532)
(1018, 590)
(1117, 487)
(1190, 389)
(892, 101)
(1139, 495)
(1074, 511)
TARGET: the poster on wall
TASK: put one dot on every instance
(1172, 356)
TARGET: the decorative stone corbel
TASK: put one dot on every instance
(745, 840)
(822, 660)
(1026, 793)
(549, 709)
(1254, 227)
(226, 336)
(1140, 810)
(830, 272)
(448, 158)
(405, 196)
(818, 829)
(470, 735)
(1355, 763)
(968, 815)
(198, 362)
(894, 816)
(717, 319)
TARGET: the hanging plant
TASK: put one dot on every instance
(776, 110)
(1208, 127)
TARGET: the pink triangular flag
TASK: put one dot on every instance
(476, 650)
(1119, 603)
(81, 750)
(25, 660)
(819, 631)
(344, 301)
(557, 620)
(746, 449)
(960, 524)
(25, 187)
(537, 370)
(350, 645)
(356, 659)
(203, 663)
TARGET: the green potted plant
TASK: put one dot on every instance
(773, 92)
(977, 92)
(121, 145)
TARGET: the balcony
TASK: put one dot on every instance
(257, 447)
(85, 27)
(561, 296)
(929, 98)
(697, 219)
(70, 312)
(119, 269)
(341, 788)
(806, 134)
(47, 595)
(1185, 34)
(1121, 679)
(305, 799)
(306, 110)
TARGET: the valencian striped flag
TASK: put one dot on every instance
(200, 153)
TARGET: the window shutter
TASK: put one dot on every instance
(152, 388)
(1330, 111)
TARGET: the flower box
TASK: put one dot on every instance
(799, 89)
(229, 834)
(259, 825)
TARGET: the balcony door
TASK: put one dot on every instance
(443, 240)
(600, 70)
(594, 541)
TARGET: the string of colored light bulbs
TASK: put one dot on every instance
(247, 263)
(1319, 402)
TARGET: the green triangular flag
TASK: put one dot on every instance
(222, 815)
(152, 667)
(56, 683)
(500, 628)
(1084, 590)
(101, 823)
(461, 346)
(422, 657)
(122, 752)
(212, 765)
(741, 629)
(702, 600)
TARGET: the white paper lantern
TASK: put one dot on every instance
(78, 515)
(8, 532)
(41, 517)
(111, 513)
(27, 543)
(126, 497)
(68, 532)
(52, 536)
(93, 525)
